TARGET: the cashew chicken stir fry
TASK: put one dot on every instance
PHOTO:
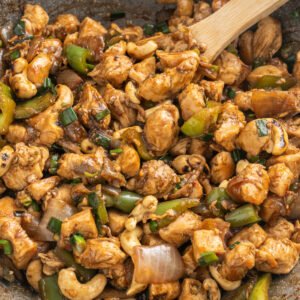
(133, 168)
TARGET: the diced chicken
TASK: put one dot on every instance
(90, 27)
(180, 231)
(222, 167)
(216, 223)
(281, 229)
(230, 123)
(277, 256)
(155, 178)
(213, 89)
(272, 208)
(166, 291)
(161, 129)
(24, 249)
(191, 100)
(102, 253)
(129, 161)
(281, 178)
(250, 185)
(51, 263)
(82, 222)
(238, 261)
(243, 100)
(117, 221)
(17, 134)
(253, 234)
(143, 70)
(7, 207)
(192, 289)
(187, 163)
(190, 264)
(27, 167)
(206, 241)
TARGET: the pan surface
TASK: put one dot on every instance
(140, 11)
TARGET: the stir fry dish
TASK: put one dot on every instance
(134, 168)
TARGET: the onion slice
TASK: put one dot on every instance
(157, 264)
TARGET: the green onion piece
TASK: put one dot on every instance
(49, 289)
(78, 242)
(90, 175)
(257, 160)
(54, 163)
(208, 258)
(48, 85)
(258, 62)
(93, 200)
(102, 212)
(260, 290)
(90, 66)
(233, 245)
(7, 247)
(101, 115)
(68, 116)
(19, 29)
(35, 206)
(153, 226)
(207, 137)
(15, 54)
(26, 38)
(149, 29)
(238, 154)
(101, 139)
(231, 93)
(26, 200)
(232, 49)
(54, 225)
(162, 27)
(243, 215)
(215, 68)
(116, 151)
(1, 43)
(262, 128)
(178, 205)
(117, 15)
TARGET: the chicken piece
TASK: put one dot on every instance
(192, 289)
(129, 161)
(267, 39)
(206, 241)
(217, 223)
(265, 70)
(113, 69)
(7, 207)
(253, 234)
(119, 105)
(40, 188)
(61, 193)
(187, 163)
(73, 165)
(161, 129)
(27, 167)
(24, 249)
(277, 256)
(296, 69)
(180, 230)
(181, 147)
(213, 90)
(35, 18)
(89, 106)
(167, 84)
(190, 264)
(155, 178)
(90, 27)
(184, 8)
(250, 185)
(281, 229)
(272, 208)
(191, 100)
(263, 135)
(102, 253)
(17, 134)
(46, 122)
(82, 222)
(222, 167)
(201, 11)
(230, 123)
(246, 47)
(166, 291)
(51, 263)
(7, 157)
(232, 70)
(65, 24)
(143, 70)
(198, 147)
(281, 178)
(291, 125)
(117, 221)
(238, 261)
(243, 100)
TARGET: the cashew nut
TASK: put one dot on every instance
(224, 283)
(34, 273)
(131, 239)
(141, 212)
(73, 289)
(22, 87)
(135, 287)
(141, 51)
(6, 158)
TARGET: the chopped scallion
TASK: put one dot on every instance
(162, 27)
(68, 116)
(153, 226)
(101, 115)
(15, 54)
(231, 93)
(208, 258)
(35, 206)
(54, 225)
(101, 139)
(78, 242)
(149, 29)
(53, 163)
(19, 29)
(233, 245)
(7, 247)
(237, 155)
(116, 151)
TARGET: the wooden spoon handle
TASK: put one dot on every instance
(221, 28)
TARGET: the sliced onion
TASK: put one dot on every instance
(57, 209)
(157, 264)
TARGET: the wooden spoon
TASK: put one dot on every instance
(221, 28)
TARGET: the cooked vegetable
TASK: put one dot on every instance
(178, 205)
(49, 289)
(53, 163)
(101, 115)
(260, 290)
(7, 106)
(77, 58)
(6, 246)
(19, 28)
(15, 54)
(34, 106)
(244, 215)
(99, 207)
(208, 258)
(54, 225)
(78, 242)
(271, 81)
(68, 116)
